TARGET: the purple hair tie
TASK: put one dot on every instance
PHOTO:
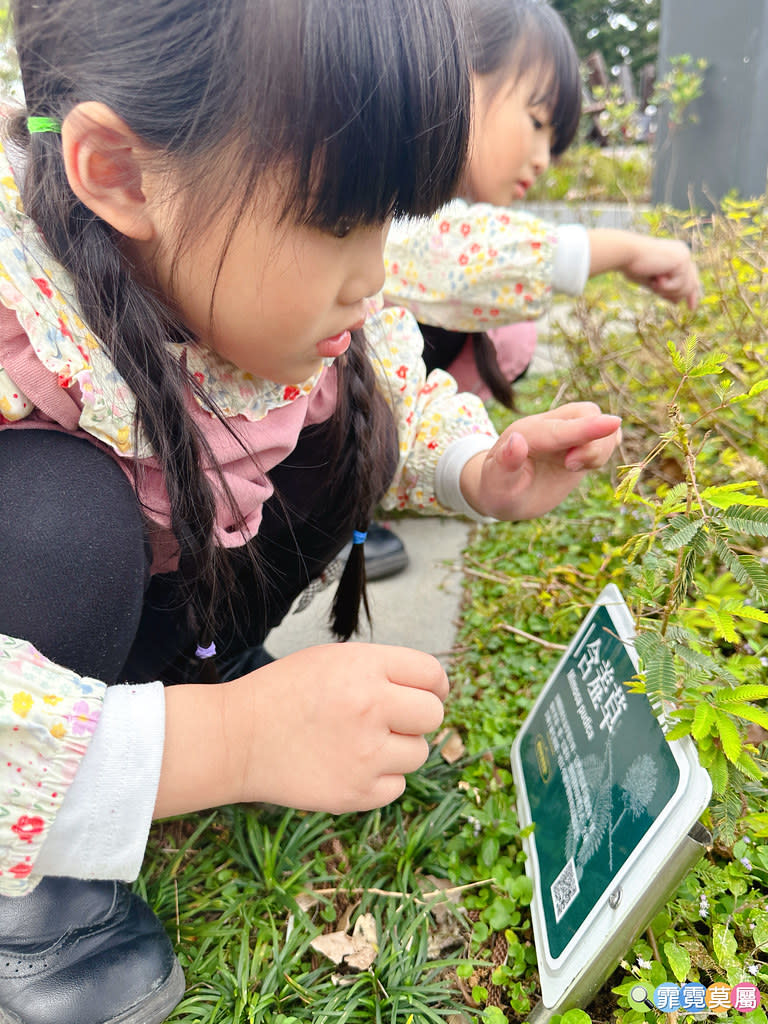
(205, 652)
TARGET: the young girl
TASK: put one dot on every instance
(192, 216)
(480, 264)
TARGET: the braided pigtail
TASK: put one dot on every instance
(366, 457)
(134, 328)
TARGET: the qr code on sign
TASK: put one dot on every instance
(564, 889)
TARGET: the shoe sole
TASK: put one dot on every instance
(152, 1010)
(386, 565)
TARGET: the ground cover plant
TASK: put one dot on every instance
(419, 912)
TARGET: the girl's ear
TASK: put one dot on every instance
(104, 162)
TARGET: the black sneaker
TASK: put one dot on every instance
(76, 952)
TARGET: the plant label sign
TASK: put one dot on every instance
(611, 802)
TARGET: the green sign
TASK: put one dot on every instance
(598, 774)
(613, 805)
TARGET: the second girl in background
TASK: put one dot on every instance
(480, 272)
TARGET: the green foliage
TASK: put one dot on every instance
(626, 32)
(587, 172)
(699, 585)
(680, 87)
(692, 390)
(617, 119)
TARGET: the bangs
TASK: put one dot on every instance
(377, 110)
(551, 52)
(563, 101)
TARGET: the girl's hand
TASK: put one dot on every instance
(666, 267)
(331, 728)
(338, 727)
(538, 461)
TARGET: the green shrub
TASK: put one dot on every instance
(587, 172)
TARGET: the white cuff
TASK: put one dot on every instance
(101, 830)
(570, 270)
(448, 473)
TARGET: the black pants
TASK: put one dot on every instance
(75, 560)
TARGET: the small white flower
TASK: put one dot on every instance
(703, 905)
(645, 964)
(746, 862)
(753, 968)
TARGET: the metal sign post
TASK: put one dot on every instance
(614, 807)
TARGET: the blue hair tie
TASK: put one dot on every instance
(205, 652)
(358, 536)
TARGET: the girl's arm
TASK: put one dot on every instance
(47, 719)
(475, 266)
(450, 458)
(539, 460)
(332, 728)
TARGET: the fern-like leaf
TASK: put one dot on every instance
(703, 720)
(747, 764)
(660, 679)
(728, 495)
(684, 581)
(723, 625)
(681, 531)
(718, 771)
(749, 712)
(711, 364)
(730, 737)
(743, 519)
(746, 569)
(726, 812)
(748, 691)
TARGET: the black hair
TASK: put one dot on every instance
(516, 36)
(510, 38)
(364, 104)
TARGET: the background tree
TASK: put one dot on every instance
(624, 31)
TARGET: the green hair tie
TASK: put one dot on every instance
(36, 125)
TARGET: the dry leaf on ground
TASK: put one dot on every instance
(451, 745)
(356, 951)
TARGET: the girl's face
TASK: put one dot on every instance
(284, 297)
(511, 138)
